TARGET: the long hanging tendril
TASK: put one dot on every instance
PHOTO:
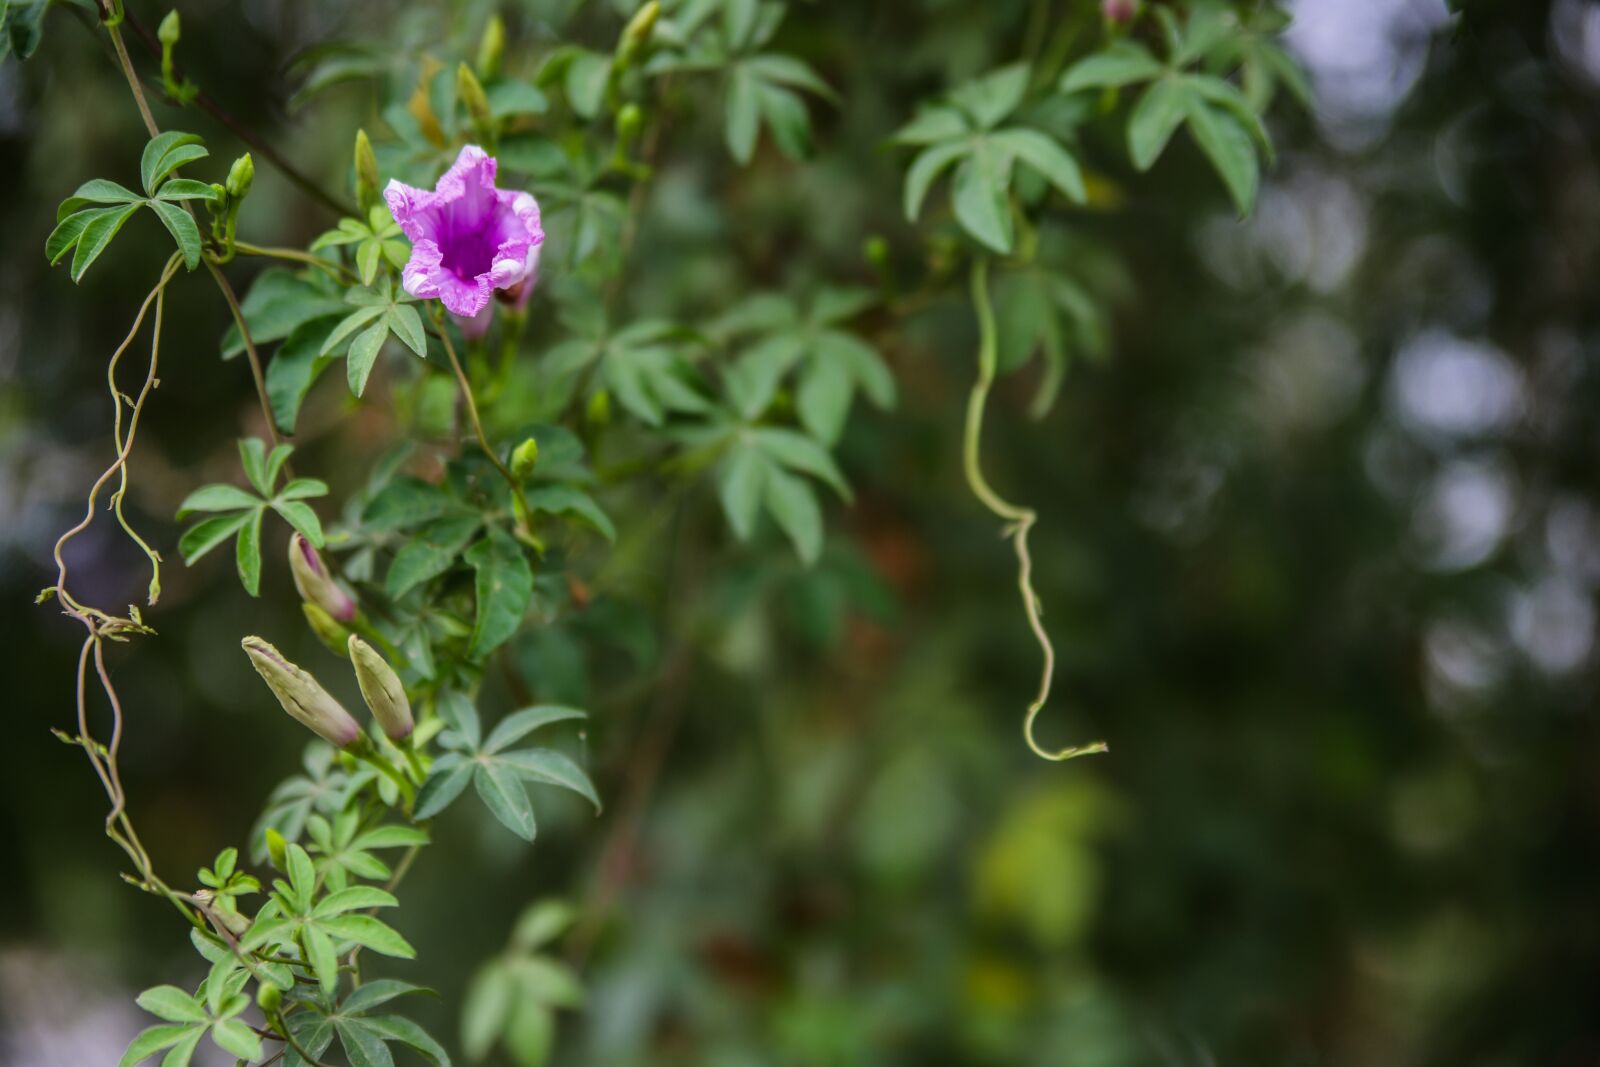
(1019, 520)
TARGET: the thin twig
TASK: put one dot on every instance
(1020, 520)
(477, 424)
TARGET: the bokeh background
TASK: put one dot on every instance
(1319, 545)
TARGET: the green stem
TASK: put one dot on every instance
(477, 427)
(244, 248)
(1020, 519)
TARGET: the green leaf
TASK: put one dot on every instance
(203, 536)
(67, 233)
(407, 502)
(399, 1028)
(352, 322)
(787, 118)
(181, 225)
(1227, 144)
(233, 1036)
(927, 167)
(156, 1038)
(794, 506)
(503, 794)
(740, 484)
(520, 724)
(541, 923)
(486, 1009)
(276, 306)
(787, 70)
(586, 82)
(1047, 157)
(824, 398)
(186, 189)
(363, 353)
(429, 553)
(302, 518)
(445, 782)
(97, 234)
(253, 458)
(295, 367)
(164, 153)
(303, 488)
(504, 586)
(407, 325)
(991, 98)
(742, 117)
(217, 498)
(96, 191)
(980, 197)
(552, 768)
(932, 125)
(1155, 119)
(799, 452)
(1120, 63)
(371, 994)
(248, 554)
(172, 1004)
(567, 500)
(367, 931)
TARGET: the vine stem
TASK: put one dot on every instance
(244, 248)
(1019, 520)
(250, 353)
(477, 426)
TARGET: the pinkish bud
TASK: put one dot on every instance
(313, 582)
(1119, 12)
(301, 695)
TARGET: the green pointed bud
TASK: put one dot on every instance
(367, 180)
(170, 29)
(491, 47)
(636, 34)
(328, 629)
(524, 458)
(599, 409)
(277, 849)
(240, 175)
(301, 695)
(381, 688)
(629, 121)
(269, 997)
(314, 584)
(470, 90)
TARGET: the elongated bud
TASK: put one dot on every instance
(328, 629)
(470, 90)
(636, 34)
(629, 121)
(170, 29)
(367, 181)
(277, 849)
(491, 46)
(381, 688)
(524, 458)
(301, 695)
(314, 584)
(240, 176)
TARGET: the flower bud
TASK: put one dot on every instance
(314, 584)
(524, 458)
(491, 46)
(367, 181)
(277, 849)
(629, 121)
(269, 997)
(240, 175)
(301, 696)
(381, 688)
(1118, 12)
(170, 29)
(470, 90)
(636, 34)
(327, 628)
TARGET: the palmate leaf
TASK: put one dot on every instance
(763, 88)
(165, 153)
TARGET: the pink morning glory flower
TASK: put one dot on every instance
(467, 237)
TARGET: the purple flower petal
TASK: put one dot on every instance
(467, 237)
